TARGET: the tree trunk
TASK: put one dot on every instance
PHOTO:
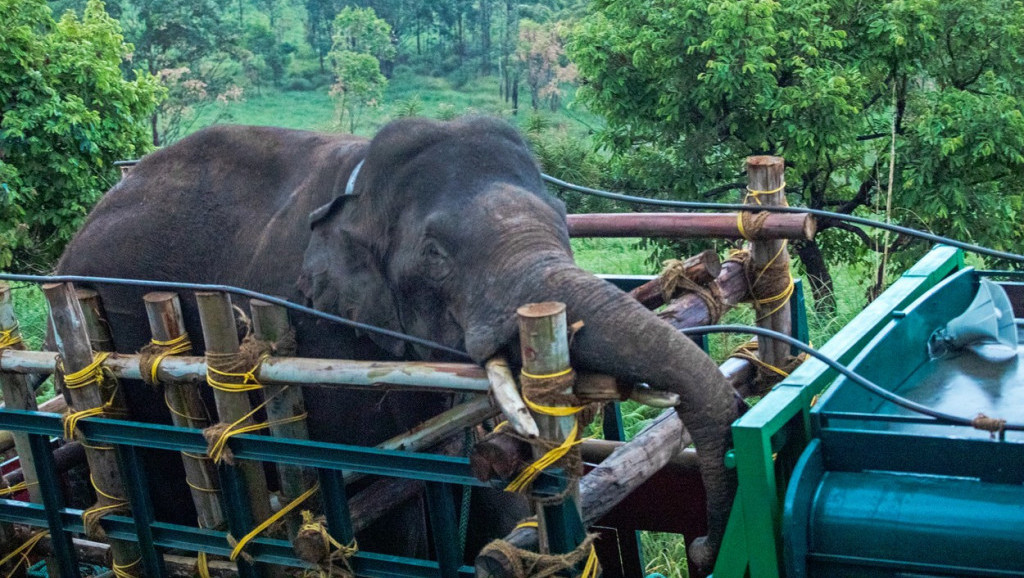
(485, 37)
(819, 276)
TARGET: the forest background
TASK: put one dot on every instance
(904, 110)
(901, 110)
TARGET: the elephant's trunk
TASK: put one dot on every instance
(622, 338)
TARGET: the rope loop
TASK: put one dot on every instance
(91, 374)
(157, 350)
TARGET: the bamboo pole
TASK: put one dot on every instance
(284, 404)
(544, 344)
(221, 337)
(72, 342)
(766, 176)
(688, 225)
(166, 323)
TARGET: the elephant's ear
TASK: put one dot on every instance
(341, 275)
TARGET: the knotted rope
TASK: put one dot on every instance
(544, 394)
(315, 545)
(527, 564)
(767, 374)
(155, 352)
(674, 281)
(994, 426)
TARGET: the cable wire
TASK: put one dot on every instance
(845, 371)
(696, 205)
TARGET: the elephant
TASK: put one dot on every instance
(435, 229)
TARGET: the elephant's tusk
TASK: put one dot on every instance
(653, 397)
(506, 395)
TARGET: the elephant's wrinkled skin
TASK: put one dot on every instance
(450, 230)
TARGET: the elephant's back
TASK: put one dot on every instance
(214, 207)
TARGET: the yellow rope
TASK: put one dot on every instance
(202, 489)
(92, 481)
(249, 380)
(8, 337)
(593, 565)
(23, 551)
(10, 491)
(746, 350)
(216, 451)
(71, 420)
(88, 375)
(526, 524)
(202, 565)
(528, 475)
(97, 448)
(549, 375)
(755, 193)
(557, 411)
(179, 344)
(240, 545)
(121, 570)
(167, 402)
(310, 524)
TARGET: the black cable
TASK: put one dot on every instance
(236, 291)
(695, 205)
(856, 378)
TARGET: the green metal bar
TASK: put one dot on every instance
(53, 501)
(734, 553)
(335, 502)
(393, 463)
(236, 511)
(136, 485)
(441, 510)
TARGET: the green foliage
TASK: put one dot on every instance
(689, 89)
(68, 114)
(194, 49)
(361, 41)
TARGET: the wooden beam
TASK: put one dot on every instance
(688, 225)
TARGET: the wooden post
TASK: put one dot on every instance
(221, 337)
(766, 182)
(72, 341)
(187, 410)
(544, 343)
(284, 402)
(17, 394)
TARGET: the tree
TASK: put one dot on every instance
(844, 90)
(68, 114)
(194, 35)
(361, 41)
(542, 55)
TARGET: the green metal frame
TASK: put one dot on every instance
(769, 439)
(329, 459)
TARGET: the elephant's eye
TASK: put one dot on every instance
(436, 262)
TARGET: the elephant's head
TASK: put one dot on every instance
(450, 229)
